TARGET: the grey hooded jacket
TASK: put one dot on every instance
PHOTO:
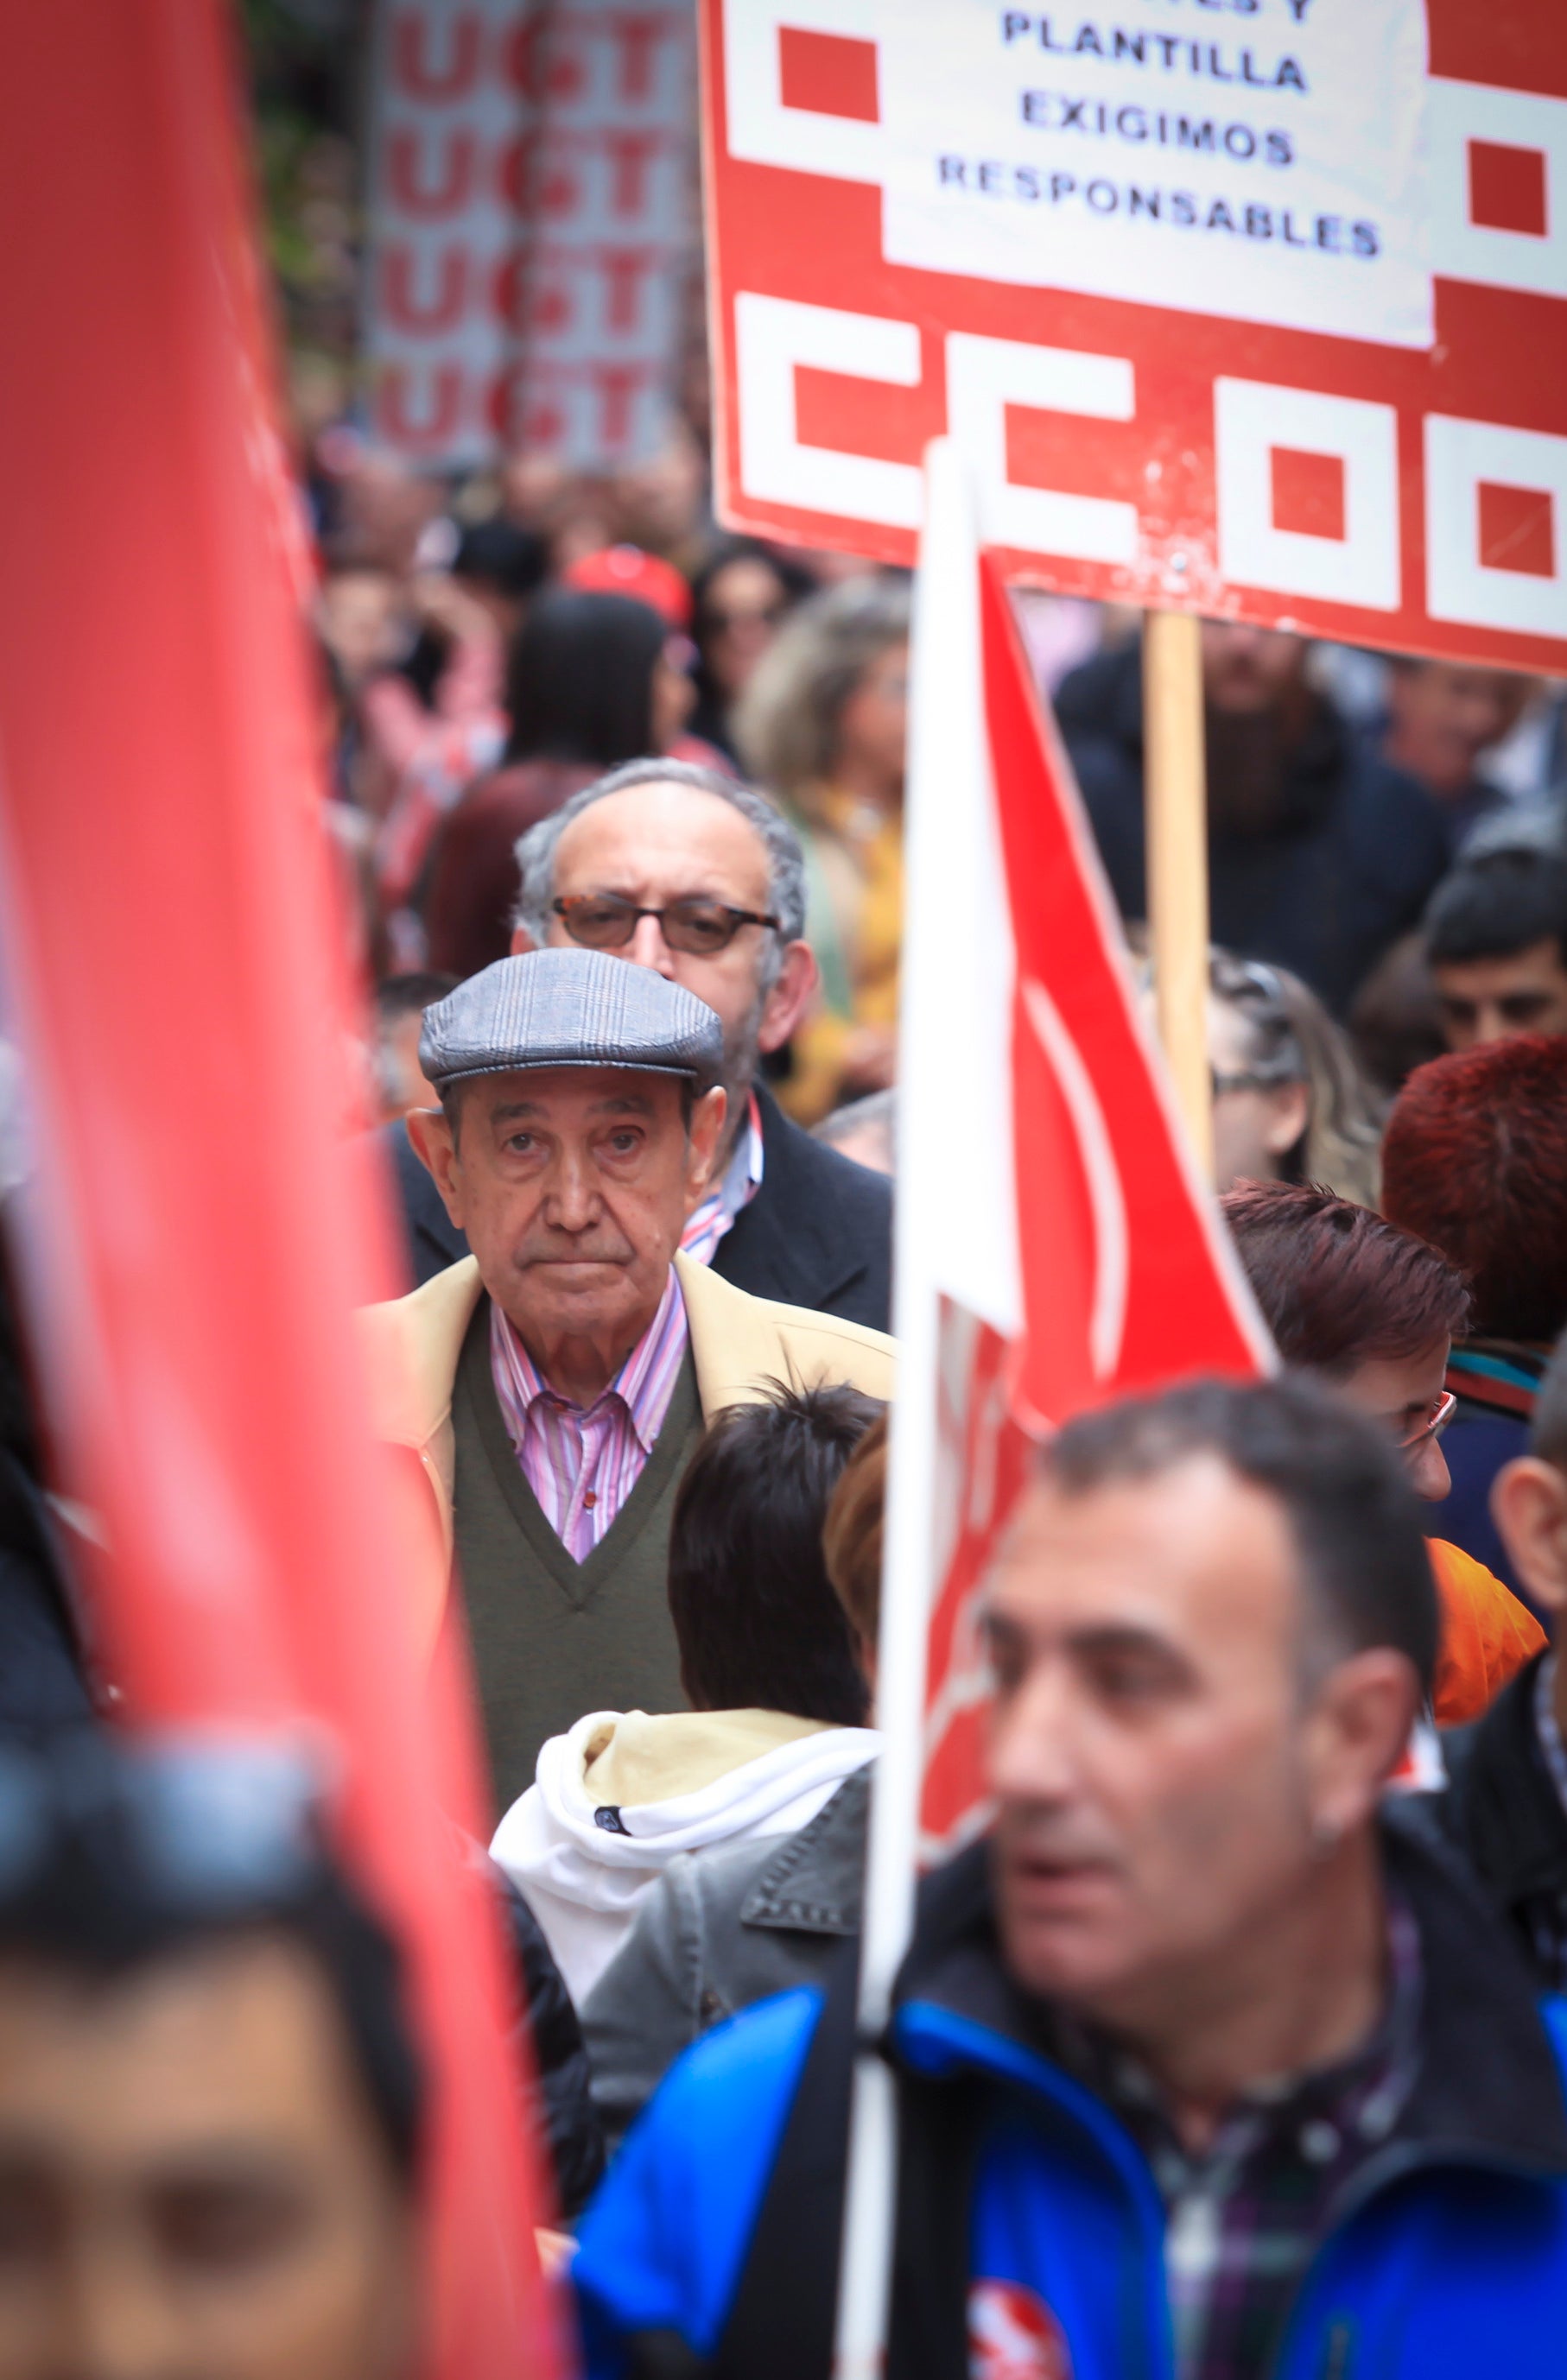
(720, 1929)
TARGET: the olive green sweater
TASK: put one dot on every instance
(553, 1638)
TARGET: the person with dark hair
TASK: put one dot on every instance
(588, 682)
(742, 595)
(1442, 719)
(503, 568)
(1476, 1164)
(723, 1927)
(1508, 1804)
(1320, 854)
(1496, 942)
(210, 2106)
(44, 1671)
(397, 1011)
(778, 1698)
(1206, 2059)
(1373, 1311)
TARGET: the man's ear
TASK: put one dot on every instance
(790, 996)
(521, 941)
(1355, 1733)
(702, 1142)
(433, 1146)
(1529, 1507)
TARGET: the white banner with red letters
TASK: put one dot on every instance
(530, 226)
(1251, 307)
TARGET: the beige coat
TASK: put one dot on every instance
(738, 1345)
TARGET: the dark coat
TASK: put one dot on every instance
(818, 1232)
(1357, 851)
(1502, 1809)
(42, 1681)
(543, 2021)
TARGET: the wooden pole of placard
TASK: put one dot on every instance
(1175, 809)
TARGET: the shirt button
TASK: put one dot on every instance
(590, 1499)
(1318, 2141)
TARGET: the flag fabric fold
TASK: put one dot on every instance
(176, 978)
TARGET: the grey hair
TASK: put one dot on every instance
(786, 721)
(785, 862)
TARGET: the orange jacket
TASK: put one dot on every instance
(1486, 1634)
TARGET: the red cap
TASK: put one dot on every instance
(626, 570)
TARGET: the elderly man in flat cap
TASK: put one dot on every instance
(553, 1384)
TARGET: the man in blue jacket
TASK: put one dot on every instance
(1205, 2067)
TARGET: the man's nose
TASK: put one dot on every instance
(1029, 1747)
(1428, 1473)
(647, 948)
(572, 1202)
(116, 2321)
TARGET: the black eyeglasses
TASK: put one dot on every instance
(606, 921)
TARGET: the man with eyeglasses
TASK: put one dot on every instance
(1373, 1311)
(548, 1391)
(686, 871)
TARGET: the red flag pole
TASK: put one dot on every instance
(174, 953)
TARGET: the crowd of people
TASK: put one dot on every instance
(1234, 2046)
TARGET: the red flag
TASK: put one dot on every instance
(1124, 1275)
(1128, 1278)
(171, 948)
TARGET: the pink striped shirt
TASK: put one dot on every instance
(583, 1462)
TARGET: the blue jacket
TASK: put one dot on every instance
(1449, 2254)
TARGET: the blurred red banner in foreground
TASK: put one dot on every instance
(172, 951)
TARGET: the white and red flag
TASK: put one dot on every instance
(1056, 1244)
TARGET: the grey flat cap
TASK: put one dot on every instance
(569, 1008)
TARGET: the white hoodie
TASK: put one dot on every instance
(615, 1799)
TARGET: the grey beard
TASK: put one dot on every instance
(742, 1054)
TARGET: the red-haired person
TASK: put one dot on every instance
(1373, 1311)
(1476, 1163)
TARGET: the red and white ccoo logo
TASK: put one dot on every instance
(1013, 2336)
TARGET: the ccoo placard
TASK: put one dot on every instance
(1255, 306)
